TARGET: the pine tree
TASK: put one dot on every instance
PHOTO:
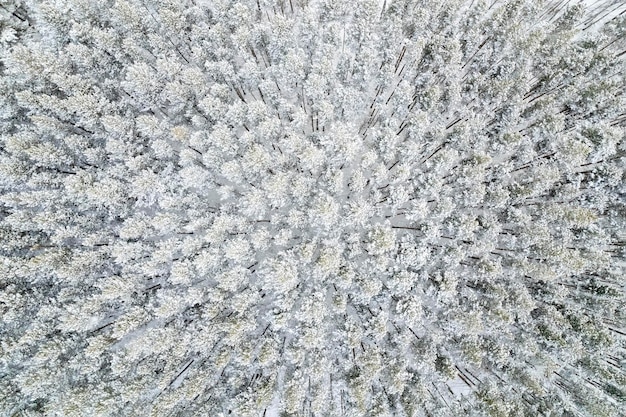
(312, 207)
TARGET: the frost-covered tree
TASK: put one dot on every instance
(312, 208)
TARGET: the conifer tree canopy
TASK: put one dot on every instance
(318, 208)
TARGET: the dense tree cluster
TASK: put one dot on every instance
(312, 208)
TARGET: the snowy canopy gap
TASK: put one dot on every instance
(312, 208)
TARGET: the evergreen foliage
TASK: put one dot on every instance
(312, 208)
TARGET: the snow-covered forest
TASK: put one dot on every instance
(318, 208)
